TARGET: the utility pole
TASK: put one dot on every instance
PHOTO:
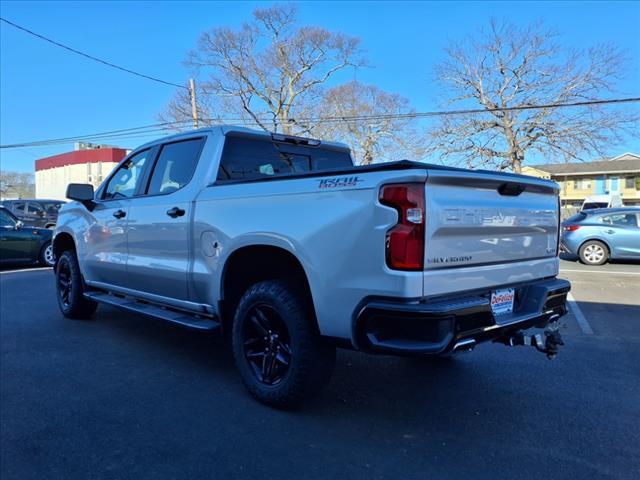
(194, 108)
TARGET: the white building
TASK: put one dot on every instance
(53, 174)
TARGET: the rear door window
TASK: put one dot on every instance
(247, 158)
(175, 166)
(621, 220)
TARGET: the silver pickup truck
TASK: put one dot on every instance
(285, 244)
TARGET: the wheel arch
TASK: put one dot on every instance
(62, 242)
(248, 265)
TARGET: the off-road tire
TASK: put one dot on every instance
(73, 304)
(311, 359)
(593, 252)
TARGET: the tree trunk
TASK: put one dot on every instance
(516, 162)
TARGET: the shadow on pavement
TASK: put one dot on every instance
(131, 395)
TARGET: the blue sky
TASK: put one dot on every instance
(47, 92)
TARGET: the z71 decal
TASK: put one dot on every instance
(339, 182)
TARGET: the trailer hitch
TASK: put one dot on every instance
(548, 342)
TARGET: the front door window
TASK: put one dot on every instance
(124, 182)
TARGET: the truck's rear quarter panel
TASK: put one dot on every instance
(337, 233)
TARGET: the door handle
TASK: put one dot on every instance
(175, 212)
(119, 213)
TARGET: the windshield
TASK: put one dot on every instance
(592, 205)
(7, 219)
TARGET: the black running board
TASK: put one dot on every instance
(191, 320)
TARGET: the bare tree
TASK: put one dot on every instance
(370, 139)
(508, 66)
(16, 184)
(266, 71)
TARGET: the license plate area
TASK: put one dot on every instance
(502, 302)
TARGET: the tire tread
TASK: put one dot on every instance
(315, 358)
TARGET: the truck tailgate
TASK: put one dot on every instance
(482, 219)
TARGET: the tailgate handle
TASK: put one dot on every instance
(511, 189)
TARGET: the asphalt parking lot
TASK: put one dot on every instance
(127, 397)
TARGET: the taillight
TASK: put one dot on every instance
(571, 228)
(405, 240)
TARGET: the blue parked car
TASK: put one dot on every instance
(602, 234)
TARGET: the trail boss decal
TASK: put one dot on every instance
(339, 182)
(436, 260)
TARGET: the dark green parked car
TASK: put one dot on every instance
(20, 244)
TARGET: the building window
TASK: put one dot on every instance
(632, 182)
(582, 184)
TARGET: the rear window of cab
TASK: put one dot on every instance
(247, 159)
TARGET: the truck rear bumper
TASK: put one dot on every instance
(443, 325)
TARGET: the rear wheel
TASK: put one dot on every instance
(281, 358)
(594, 252)
(70, 290)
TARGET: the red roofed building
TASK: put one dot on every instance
(92, 165)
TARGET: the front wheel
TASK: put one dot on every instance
(70, 290)
(281, 358)
(594, 253)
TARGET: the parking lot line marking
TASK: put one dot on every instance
(26, 270)
(581, 319)
(610, 272)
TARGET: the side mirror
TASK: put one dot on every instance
(19, 225)
(81, 192)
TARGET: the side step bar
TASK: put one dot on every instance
(153, 310)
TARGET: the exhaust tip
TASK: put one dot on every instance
(464, 346)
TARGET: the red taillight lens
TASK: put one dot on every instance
(571, 228)
(405, 241)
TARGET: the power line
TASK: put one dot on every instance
(162, 127)
(91, 57)
(399, 116)
(90, 136)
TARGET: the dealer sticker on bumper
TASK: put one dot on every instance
(502, 301)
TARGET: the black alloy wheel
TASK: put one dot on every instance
(70, 288)
(278, 350)
(266, 344)
(65, 283)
